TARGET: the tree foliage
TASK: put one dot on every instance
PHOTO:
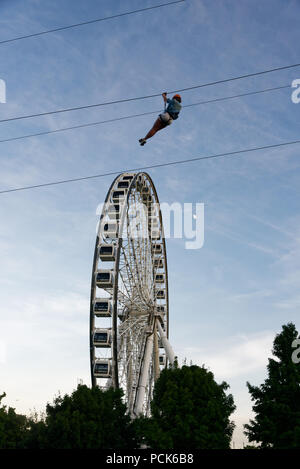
(277, 400)
(189, 411)
(12, 427)
(88, 418)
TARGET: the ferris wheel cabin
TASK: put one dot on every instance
(159, 278)
(161, 294)
(102, 307)
(102, 338)
(110, 230)
(113, 211)
(104, 278)
(102, 368)
(124, 184)
(107, 252)
(118, 196)
(157, 248)
(162, 360)
(158, 264)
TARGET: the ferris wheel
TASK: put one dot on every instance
(129, 307)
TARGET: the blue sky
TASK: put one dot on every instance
(228, 299)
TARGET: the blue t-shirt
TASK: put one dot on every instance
(173, 108)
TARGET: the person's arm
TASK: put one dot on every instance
(164, 95)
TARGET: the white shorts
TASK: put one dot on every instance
(166, 118)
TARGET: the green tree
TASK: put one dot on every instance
(189, 411)
(88, 418)
(277, 400)
(36, 434)
(13, 427)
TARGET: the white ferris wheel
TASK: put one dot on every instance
(129, 308)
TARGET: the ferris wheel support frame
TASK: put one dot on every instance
(137, 410)
(156, 354)
(150, 344)
(166, 344)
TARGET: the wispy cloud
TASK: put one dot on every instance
(236, 356)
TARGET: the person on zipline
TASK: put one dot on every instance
(166, 118)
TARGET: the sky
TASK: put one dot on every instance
(228, 299)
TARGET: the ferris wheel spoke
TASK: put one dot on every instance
(142, 262)
(134, 260)
(131, 303)
(125, 284)
(128, 267)
(141, 269)
(129, 324)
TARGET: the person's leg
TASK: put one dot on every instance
(158, 125)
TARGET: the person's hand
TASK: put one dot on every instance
(164, 94)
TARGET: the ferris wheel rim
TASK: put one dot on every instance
(93, 286)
